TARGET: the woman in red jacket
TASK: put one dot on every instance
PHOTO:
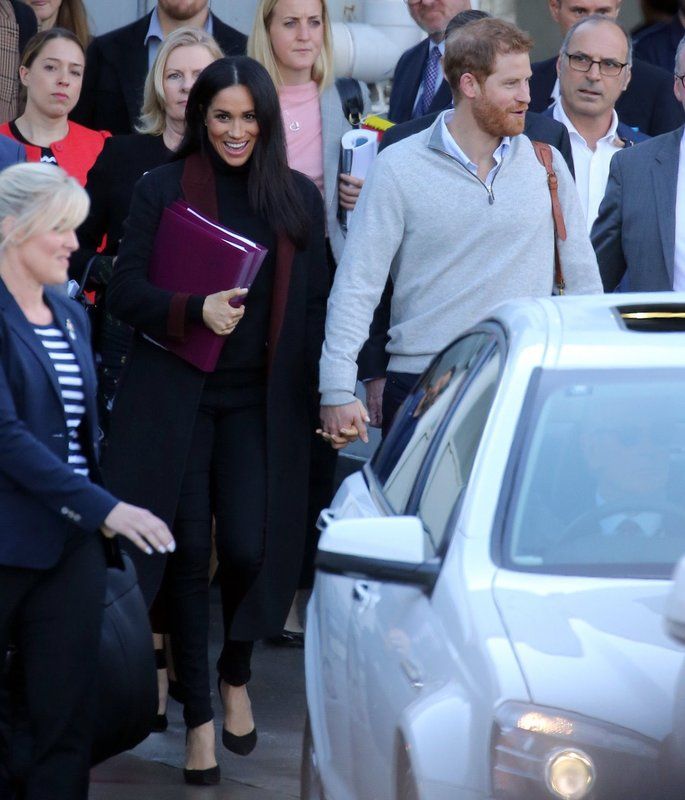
(51, 73)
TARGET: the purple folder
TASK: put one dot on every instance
(194, 255)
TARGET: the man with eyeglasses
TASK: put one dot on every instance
(647, 104)
(594, 70)
(639, 234)
(419, 86)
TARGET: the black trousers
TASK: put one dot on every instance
(397, 387)
(225, 476)
(54, 616)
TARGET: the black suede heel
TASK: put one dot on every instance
(240, 745)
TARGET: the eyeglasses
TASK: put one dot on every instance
(608, 67)
(681, 78)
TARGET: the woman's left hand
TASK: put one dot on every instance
(348, 191)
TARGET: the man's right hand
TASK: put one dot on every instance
(374, 400)
(217, 313)
(348, 422)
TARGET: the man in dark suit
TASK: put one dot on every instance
(419, 86)
(640, 231)
(658, 45)
(118, 62)
(647, 104)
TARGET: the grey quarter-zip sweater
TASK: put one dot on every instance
(454, 248)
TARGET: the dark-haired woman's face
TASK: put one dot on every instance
(232, 125)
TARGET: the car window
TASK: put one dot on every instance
(399, 458)
(599, 490)
(454, 458)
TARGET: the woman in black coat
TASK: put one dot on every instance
(232, 443)
(123, 160)
(52, 560)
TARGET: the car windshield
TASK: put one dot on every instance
(599, 486)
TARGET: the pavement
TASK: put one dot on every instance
(153, 770)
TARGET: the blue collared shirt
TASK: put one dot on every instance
(155, 35)
(452, 147)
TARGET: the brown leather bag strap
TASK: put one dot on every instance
(544, 155)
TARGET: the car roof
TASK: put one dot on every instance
(618, 330)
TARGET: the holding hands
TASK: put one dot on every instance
(341, 425)
(219, 315)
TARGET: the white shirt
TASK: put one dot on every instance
(439, 77)
(452, 147)
(591, 166)
(679, 259)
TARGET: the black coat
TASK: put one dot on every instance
(159, 394)
(406, 82)
(116, 68)
(658, 45)
(648, 103)
(26, 20)
(373, 359)
(122, 162)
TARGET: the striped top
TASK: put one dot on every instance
(71, 387)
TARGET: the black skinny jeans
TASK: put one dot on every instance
(225, 476)
(397, 387)
(55, 617)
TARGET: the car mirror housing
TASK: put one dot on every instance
(675, 605)
(392, 549)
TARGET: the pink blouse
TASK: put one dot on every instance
(301, 113)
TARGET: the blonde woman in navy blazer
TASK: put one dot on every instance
(52, 566)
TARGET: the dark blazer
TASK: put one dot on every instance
(159, 394)
(629, 135)
(373, 360)
(634, 233)
(122, 162)
(406, 83)
(648, 103)
(116, 67)
(41, 497)
(11, 152)
(26, 20)
(658, 45)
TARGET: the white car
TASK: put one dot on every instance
(487, 615)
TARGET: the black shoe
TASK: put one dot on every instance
(287, 639)
(161, 723)
(241, 745)
(202, 777)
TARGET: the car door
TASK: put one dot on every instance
(397, 650)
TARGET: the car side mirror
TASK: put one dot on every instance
(391, 549)
(675, 604)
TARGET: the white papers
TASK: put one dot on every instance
(359, 149)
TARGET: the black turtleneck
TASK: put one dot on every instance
(242, 363)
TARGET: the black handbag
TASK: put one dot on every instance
(126, 696)
(127, 676)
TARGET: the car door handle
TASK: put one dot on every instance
(412, 673)
(325, 518)
(361, 592)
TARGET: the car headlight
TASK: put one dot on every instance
(544, 754)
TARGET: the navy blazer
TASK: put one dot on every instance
(648, 104)
(11, 152)
(116, 68)
(634, 233)
(406, 83)
(629, 135)
(41, 497)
